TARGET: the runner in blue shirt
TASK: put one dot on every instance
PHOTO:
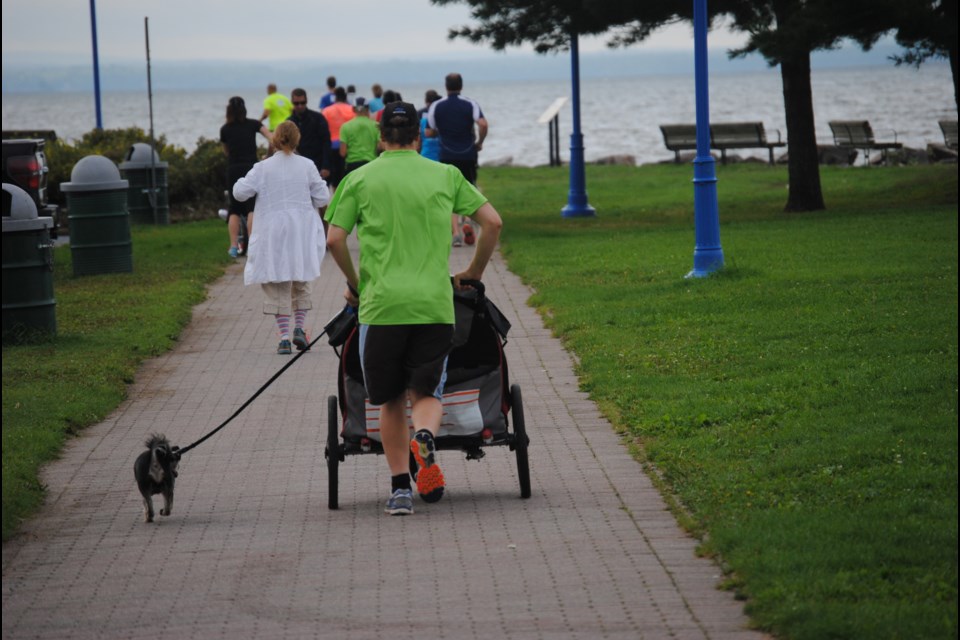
(452, 120)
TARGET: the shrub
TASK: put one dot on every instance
(195, 181)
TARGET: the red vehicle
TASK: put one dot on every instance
(25, 165)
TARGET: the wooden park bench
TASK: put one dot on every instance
(723, 136)
(679, 137)
(741, 135)
(949, 128)
(858, 134)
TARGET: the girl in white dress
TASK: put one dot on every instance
(287, 243)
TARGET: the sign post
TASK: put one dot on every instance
(551, 117)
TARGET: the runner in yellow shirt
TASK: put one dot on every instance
(276, 106)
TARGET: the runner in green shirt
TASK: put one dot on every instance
(276, 106)
(359, 138)
(401, 206)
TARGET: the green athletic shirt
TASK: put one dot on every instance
(361, 136)
(401, 205)
(279, 107)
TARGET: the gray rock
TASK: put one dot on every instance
(906, 155)
(832, 154)
(941, 153)
(499, 162)
(623, 160)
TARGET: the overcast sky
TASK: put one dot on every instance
(58, 31)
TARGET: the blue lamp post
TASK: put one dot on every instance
(707, 253)
(96, 63)
(577, 205)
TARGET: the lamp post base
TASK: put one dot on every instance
(578, 211)
(706, 262)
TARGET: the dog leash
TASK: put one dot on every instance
(267, 384)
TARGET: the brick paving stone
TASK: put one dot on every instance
(251, 550)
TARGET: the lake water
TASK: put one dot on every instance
(619, 116)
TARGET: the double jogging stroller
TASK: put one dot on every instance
(479, 404)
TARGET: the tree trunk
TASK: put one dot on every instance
(804, 161)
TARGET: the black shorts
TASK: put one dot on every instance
(400, 357)
(337, 167)
(234, 173)
(467, 167)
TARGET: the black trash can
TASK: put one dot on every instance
(147, 199)
(99, 222)
(29, 308)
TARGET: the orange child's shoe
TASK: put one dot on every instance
(468, 236)
(430, 481)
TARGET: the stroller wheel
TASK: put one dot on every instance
(520, 440)
(333, 452)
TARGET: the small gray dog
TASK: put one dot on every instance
(155, 470)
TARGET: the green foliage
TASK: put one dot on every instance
(106, 326)
(547, 25)
(195, 181)
(802, 402)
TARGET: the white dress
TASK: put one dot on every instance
(288, 242)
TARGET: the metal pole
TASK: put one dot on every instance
(554, 141)
(707, 253)
(152, 196)
(550, 140)
(96, 64)
(577, 205)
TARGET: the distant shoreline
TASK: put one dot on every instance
(28, 78)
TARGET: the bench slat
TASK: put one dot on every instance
(738, 134)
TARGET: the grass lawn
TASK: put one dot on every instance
(106, 326)
(801, 405)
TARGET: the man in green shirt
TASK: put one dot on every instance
(359, 138)
(401, 206)
(276, 106)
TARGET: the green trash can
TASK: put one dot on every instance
(147, 199)
(29, 308)
(99, 222)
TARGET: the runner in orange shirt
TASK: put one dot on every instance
(336, 114)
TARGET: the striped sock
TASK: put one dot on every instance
(283, 326)
(299, 316)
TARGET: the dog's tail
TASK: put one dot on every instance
(156, 440)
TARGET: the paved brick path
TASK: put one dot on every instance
(251, 550)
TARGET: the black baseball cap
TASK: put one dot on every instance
(399, 115)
